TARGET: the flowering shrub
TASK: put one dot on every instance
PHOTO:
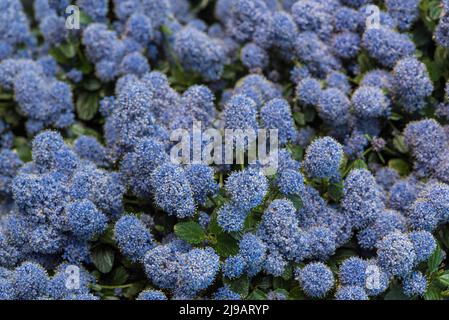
(98, 200)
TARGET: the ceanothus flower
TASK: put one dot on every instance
(199, 53)
(233, 267)
(338, 80)
(347, 19)
(240, 113)
(333, 106)
(351, 293)
(257, 88)
(88, 148)
(276, 114)
(10, 164)
(362, 201)
(387, 46)
(247, 188)
(386, 222)
(396, 254)
(412, 84)
(225, 293)
(442, 31)
(134, 63)
(370, 102)
(198, 100)
(386, 177)
(378, 78)
(30, 281)
(151, 295)
(322, 242)
(308, 91)
(424, 244)
(312, 16)
(85, 220)
(406, 12)
(172, 190)
(133, 238)
(346, 45)
(231, 217)
(65, 284)
(323, 159)
(352, 272)
(254, 57)
(202, 182)
(403, 194)
(97, 10)
(253, 251)
(290, 182)
(140, 28)
(316, 279)
(415, 284)
(243, 17)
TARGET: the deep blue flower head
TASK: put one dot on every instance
(415, 284)
(442, 31)
(231, 217)
(69, 280)
(322, 242)
(386, 177)
(352, 272)
(244, 17)
(46, 239)
(431, 207)
(30, 281)
(386, 222)
(305, 136)
(253, 251)
(77, 251)
(9, 165)
(370, 102)
(97, 10)
(346, 45)
(276, 114)
(424, 244)
(315, 54)
(247, 188)
(308, 91)
(134, 63)
(88, 147)
(159, 11)
(75, 75)
(258, 88)
(385, 19)
(84, 220)
(199, 53)
(290, 182)
(133, 238)
(351, 293)
(254, 57)
(406, 12)
(412, 84)
(138, 166)
(197, 271)
(275, 264)
(396, 254)
(362, 200)
(53, 29)
(427, 155)
(386, 45)
(6, 136)
(14, 25)
(233, 267)
(140, 28)
(378, 78)
(202, 182)
(355, 3)
(333, 106)
(323, 158)
(279, 229)
(347, 19)
(240, 113)
(225, 293)
(312, 16)
(403, 193)
(316, 279)
(172, 190)
(151, 295)
(298, 73)
(199, 101)
(338, 80)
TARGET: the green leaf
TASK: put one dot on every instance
(359, 164)
(257, 295)
(119, 276)
(22, 148)
(335, 191)
(399, 144)
(68, 50)
(103, 258)
(435, 260)
(133, 290)
(296, 200)
(91, 84)
(297, 152)
(239, 285)
(444, 279)
(190, 232)
(226, 245)
(84, 18)
(296, 294)
(432, 293)
(396, 293)
(400, 166)
(299, 118)
(87, 106)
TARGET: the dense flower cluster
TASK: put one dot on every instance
(106, 188)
